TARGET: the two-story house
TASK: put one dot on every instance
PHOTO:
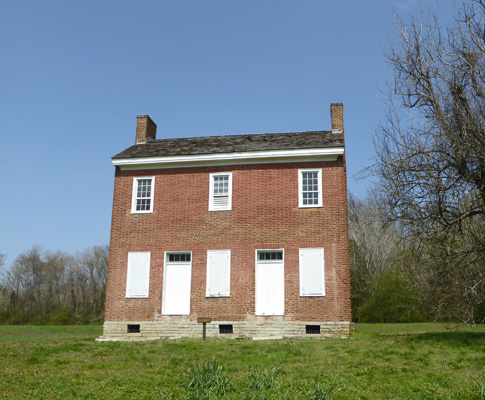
(248, 230)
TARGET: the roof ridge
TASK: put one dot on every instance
(243, 134)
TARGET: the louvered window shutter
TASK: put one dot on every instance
(220, 202)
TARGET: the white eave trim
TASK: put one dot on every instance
(251, 157)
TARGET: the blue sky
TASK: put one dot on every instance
(74, 76)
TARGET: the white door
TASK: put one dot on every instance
(176, 287)
(270, 283)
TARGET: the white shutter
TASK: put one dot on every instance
(312, 277)
(138, 273)
(218, 273)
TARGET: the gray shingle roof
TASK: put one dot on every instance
(233, 144)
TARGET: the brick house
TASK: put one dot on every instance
(248, 230)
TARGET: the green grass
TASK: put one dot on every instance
(379, 361)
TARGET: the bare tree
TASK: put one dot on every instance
(4, 294)
(48, 287)
(375, 244)
(431, 147)
(379, 258)
(90, 271)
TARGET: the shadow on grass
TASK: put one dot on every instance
(451, 338)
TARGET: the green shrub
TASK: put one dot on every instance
(393, 301)
(60, 317)
(479, 313)
(8, 316)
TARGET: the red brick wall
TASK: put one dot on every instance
(264, 215)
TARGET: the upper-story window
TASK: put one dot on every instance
(220, 195)
(142, 201)
(310, 187)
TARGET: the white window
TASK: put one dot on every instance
(218, 273)
(138, 274)
(310, 187)
(177, 283)
(142, 200)
(270, 282)
(312, 272)
(220, 195)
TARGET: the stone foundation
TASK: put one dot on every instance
(149, 330)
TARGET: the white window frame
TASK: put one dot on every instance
(129, 273)
(164, 290)
(135, 198)
(212, 207)
(228, 282)
(300, 188)
(302, 292)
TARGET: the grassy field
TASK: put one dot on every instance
(379, 361)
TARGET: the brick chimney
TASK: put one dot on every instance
(337, 115)
(146, 129)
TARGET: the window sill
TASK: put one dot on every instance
(174, 315)
(269, 315)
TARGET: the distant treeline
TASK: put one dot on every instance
(54, 288)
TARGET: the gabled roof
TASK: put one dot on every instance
(233, 144)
